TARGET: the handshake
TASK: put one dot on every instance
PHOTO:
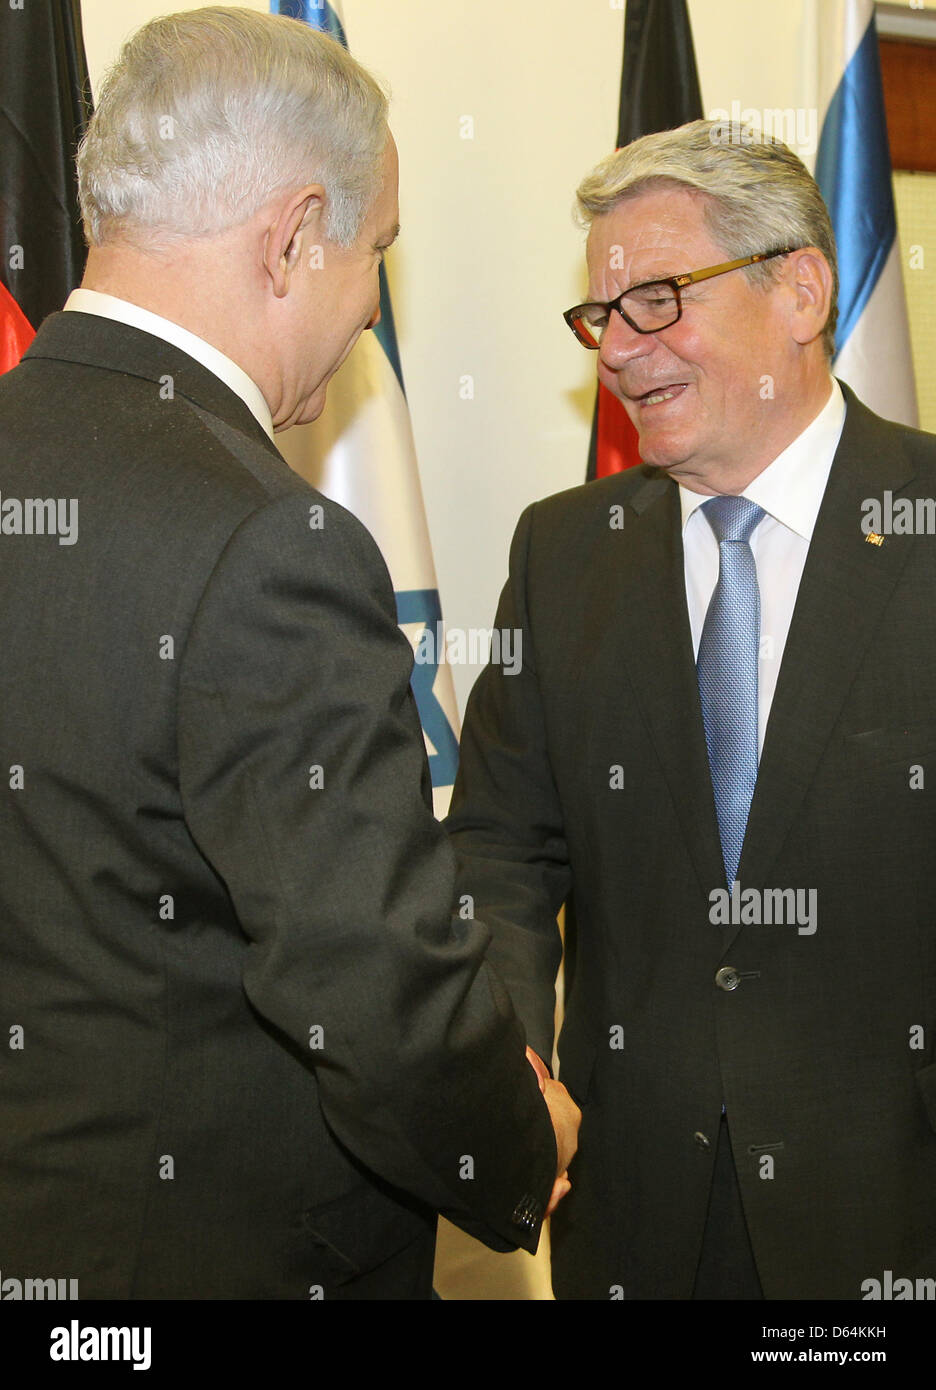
(566, 1118)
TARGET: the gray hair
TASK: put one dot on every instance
(758, 196)
(207, 114)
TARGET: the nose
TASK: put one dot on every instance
(621, 344)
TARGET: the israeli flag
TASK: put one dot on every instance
(854, 174)
(361, 453)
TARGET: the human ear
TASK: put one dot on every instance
(297, 216)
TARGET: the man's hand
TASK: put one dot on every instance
(566, 1118)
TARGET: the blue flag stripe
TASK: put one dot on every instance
(386, 329)
(423, 606)
(318, 13)
(413, 605)
(321, 16)
(854, 176)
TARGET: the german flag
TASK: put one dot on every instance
(45, 103)
(659, 90)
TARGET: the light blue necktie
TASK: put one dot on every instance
(727, 671)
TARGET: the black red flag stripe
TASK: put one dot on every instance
(45, 102)
(659, 90)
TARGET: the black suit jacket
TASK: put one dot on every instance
(586, 777)
(255, 1053)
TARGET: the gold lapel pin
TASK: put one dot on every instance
(873, 538)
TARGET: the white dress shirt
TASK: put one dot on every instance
(109, 307)
(790, 491)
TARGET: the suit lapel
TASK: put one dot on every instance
(106, 343)
(844, 590)
(657, 642)
(845, 587)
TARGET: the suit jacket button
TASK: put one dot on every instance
(727, 977)
(528, 1212)
(702, 1140)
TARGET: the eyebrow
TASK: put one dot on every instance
(653, 280)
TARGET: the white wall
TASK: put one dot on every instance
(489, 255)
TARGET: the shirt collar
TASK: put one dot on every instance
(108, 306)
(790, 489)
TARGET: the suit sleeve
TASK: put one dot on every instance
(506, 819)
(302, 766)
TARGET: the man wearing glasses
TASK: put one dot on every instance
(716, 755)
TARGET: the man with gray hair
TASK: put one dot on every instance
(251, 1053)
(715, 755)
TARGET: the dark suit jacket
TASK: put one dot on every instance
(824, 1049)
(257, 1052)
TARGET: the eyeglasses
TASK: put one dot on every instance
(652, 306)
